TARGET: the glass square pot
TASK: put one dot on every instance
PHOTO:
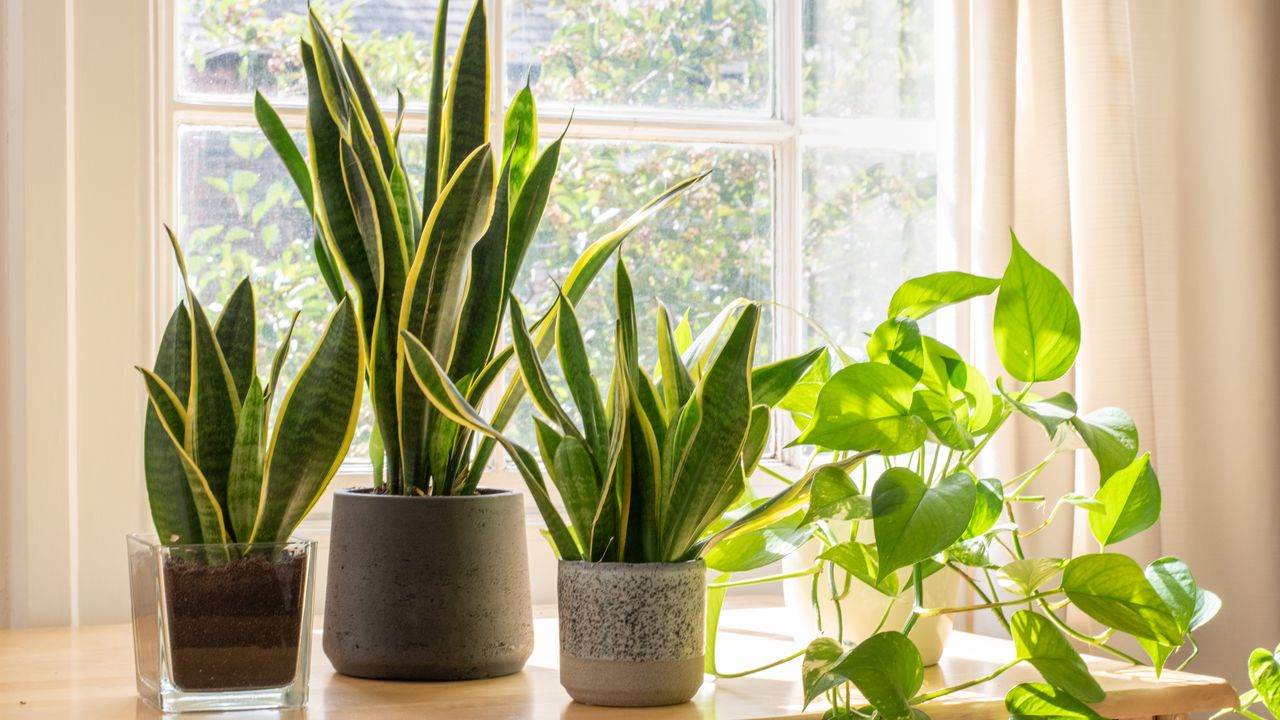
(221, 627)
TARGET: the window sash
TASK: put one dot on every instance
(786, 131)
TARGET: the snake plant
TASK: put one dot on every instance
(441, 266)
(215, 475)
(645, 475)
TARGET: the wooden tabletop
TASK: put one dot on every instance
(87, 672)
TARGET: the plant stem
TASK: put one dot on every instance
(775, 663)
(768, 578)
(926, 697)
(917, 581)
(885, 617)
(932, 612)
(1089, 640)
(775, 474)
(995, 595)
(1195, 650)
(1047, 521)
(1025, 478)
(978, 589)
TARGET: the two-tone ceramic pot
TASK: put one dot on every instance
(631, 634)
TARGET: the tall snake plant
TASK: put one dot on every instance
(647, 475)
(440, 267)
(215, 475)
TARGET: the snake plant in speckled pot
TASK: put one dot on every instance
(652, 477)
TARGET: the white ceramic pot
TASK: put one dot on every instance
(863, 607)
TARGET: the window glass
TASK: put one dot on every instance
(229, 48)
(677, 54)
(238, 214)
(711, 246)
(869, 224)
(868, 58)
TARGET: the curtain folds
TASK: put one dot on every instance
(1132, 146)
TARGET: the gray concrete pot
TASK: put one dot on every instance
(428, 588)
(631, 634)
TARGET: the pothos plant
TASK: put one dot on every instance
(215, 473)
(646, 474)
(440, 266)
(931, 414)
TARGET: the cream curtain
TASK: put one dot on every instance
(1133, 147)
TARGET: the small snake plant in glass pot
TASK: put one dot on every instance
(221, 593)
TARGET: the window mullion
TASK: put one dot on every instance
(788, 223)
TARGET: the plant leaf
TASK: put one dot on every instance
(333, 212)
(921, 296)
(444, 395)
(1131, 499)
(574, 475)
(1040, 700)
(1025, 577)
(466, 103)
(480, 322)
(1037, 326)
(817, 671)
(1264, 673)
(213, 403)
(770, 383)
(432, 180)
(434, 289)
(897, 342)
(1113, 590)
(913, 521)
(580, 277)
(863, 562)
(987, 507)
(208, 511)
(866, 406)
(1112, 436)
(781, 503)
(887, 670)
(237, 333)
(520, 138)
(244, 485)
(1051, 412)
(173, 510)
(835, 496)
(572, 353)
(758, 548)
(712, 455)
(1207, 606)
(1043, 645)
(313, 430)
(676, 384)
(282, 141)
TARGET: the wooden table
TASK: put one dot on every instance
(88, 673)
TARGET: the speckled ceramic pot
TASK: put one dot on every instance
(631, 634)
(428, 588)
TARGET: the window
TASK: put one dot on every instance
(816, 117)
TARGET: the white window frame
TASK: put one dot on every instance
(785, 131)
(89, 123)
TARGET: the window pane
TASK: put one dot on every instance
(710, 247)
(868, 58)
(229, 48)
(870, 223)
(680, 54)
(239, 214)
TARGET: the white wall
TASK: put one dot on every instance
(79, 233)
